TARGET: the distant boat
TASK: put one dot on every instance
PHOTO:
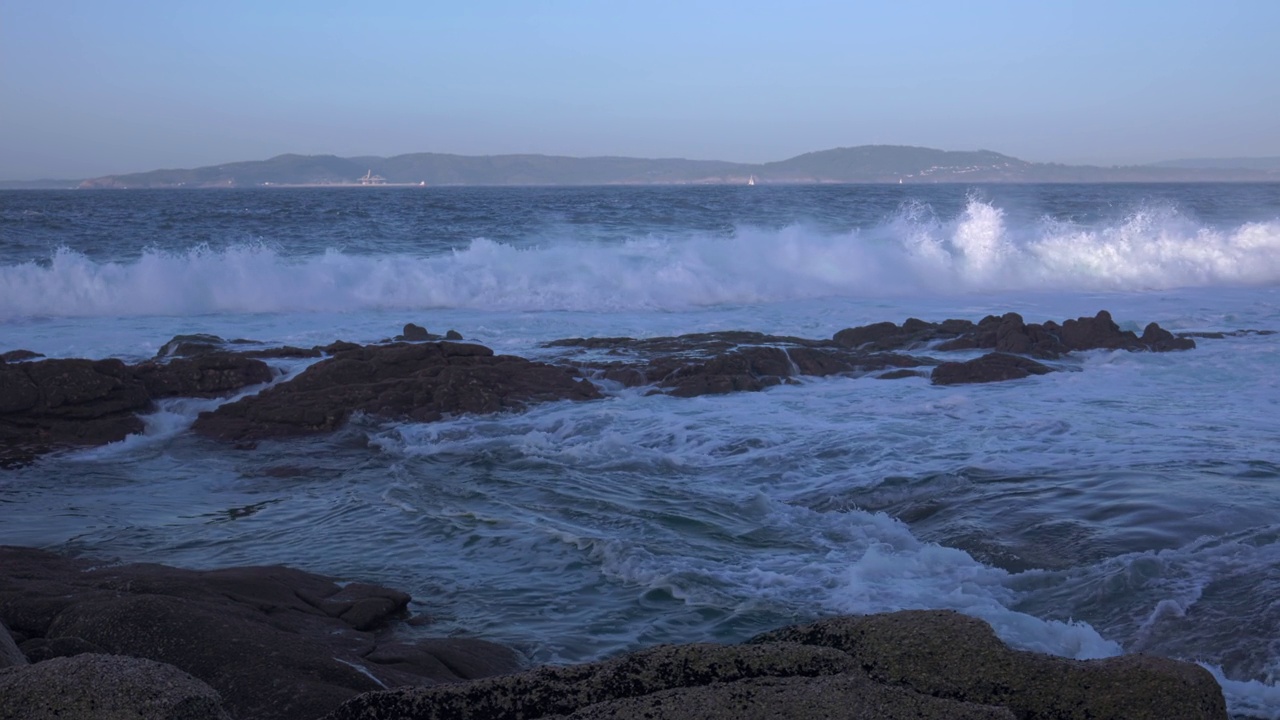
(751, 180)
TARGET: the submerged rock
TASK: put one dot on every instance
(275, 642)
(723, 362)
(911, 664)
(992, 367)
(105, 687)
(420, 381)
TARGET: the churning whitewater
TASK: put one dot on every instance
(1127, 503)
(909, 254)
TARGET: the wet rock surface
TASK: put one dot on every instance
(1009, 333)
(10, 655)
(992, 367)
(916, 664)
(273, 641)
(56, 403)
(418, 381)
(724, 362)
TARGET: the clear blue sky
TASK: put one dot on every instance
(91, 87)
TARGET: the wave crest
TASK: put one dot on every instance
(978, 251)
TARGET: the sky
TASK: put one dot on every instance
(90, 88)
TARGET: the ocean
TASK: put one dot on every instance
(1129, 504)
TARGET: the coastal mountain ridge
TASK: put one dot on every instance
(861, 164)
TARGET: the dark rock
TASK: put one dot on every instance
(992, 367)
(928, 665)
(914, 326)
(421, 381)
(41, 649)
(453, 335)
(849, 697)
(9, 653)
(19, 356)
(105, 687)
(275, 642)
(1098, 332)
(956, 327)
(285, 351)
(337, 346)
(722, 362)
(865, 334)
(946, 654)
(191, 345)
(964, 342)
(898, 374)
(206, 375)
(550, 691)
(60, 403)
(754, 368)
(1158, 339)
(913, 333)
(1226, 334)
(414, 333)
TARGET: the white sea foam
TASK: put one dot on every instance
(978, 251)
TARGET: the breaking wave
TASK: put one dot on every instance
(911, 254)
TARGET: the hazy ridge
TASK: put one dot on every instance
(862, 164)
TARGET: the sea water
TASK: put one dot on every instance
(1130, 503)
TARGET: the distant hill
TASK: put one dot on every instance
(1266, 164)
(864, 164)
(38, 184)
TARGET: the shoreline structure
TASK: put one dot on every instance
(280, 644)
(82, 640)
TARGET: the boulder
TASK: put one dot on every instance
(992, 367)
(10, 655)
(927, 665)
(946, 654)
(418, 381)
(275, 642)
(1158, 339)
(414, 333)
(105, 687)
(856, 337)
(19, 356)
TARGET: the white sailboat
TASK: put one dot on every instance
(751, 180)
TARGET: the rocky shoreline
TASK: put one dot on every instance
(83, 640)
(51, 404)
